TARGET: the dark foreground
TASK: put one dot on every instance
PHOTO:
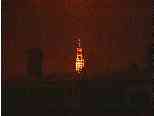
(77, 98)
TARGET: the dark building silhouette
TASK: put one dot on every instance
(148, 67)
(34, 64)
(152, 53)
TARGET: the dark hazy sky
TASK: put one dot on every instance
(114, 33)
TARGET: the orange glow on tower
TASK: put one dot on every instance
(79, 63)
(79, 59)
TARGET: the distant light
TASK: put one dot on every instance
(79, 62)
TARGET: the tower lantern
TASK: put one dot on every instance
(79, 58)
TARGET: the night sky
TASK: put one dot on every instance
(115, 33)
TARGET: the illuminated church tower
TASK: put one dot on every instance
(79, 59)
